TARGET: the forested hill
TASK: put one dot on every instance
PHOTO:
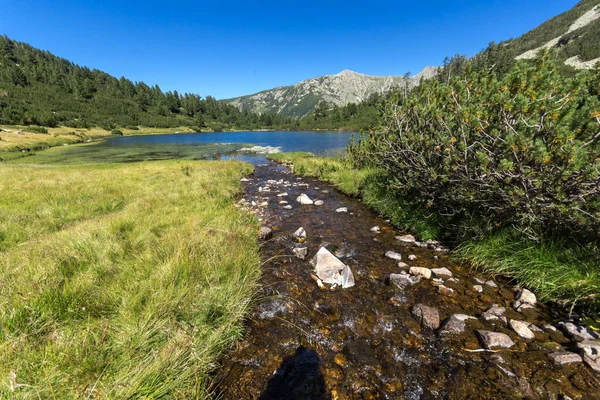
(38, 88)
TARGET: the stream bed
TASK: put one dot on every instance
(367, 341)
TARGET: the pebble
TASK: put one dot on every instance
(424, 272)
(478, 288)
(412, 257)
(445, 290)
(319, 202)
(288, 207)
(402, 265)
(282, 194)
(375, 229)
(341, 210)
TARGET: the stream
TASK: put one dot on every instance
(367, 342)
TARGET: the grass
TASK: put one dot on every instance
(556, 269)
(121, 280)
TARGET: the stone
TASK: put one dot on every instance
(244, 180)
(283, 202)
(401, 280)
(325, 191)
(375, 229)
(300, 252)
(495, 313)
(424, 272)
(455, 324)
(590, 350)
(479, 281)
(525, 296)
(265, 233)
(406, 238)
(264, 204)
(494, 340)
(521, 328)
(288, 207)
(578, 333)
(478, 288)
(331, 270)
(565, 357)
(491, 284)
(402, 265)
(319, 202)
(427, 316)
(304, 200)
(299, 234)
(445, 290)
(341, 210)
(412, 257)
(443, 273)
(393, 255)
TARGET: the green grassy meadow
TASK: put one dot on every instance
(121, 280)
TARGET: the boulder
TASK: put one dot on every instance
(455, 324)
(521, 328)
(565, 357)
(265, 233)
(526, 297)
(300, 252)
(427, 316)
(331, 270)
(494, 340)
(393, 255)
(304, 200)
(406, 238)
(424, 272)
(442, 273)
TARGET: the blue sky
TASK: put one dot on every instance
(232, 48)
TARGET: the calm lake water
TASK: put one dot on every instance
(246, 146)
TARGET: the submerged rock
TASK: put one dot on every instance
(445, 290)
(495, 314)
(456, 324)
(494, 340)
(577, 333)
(590, 350)
(427, 316)
(300, 252)
(331, 270)
(402, 280)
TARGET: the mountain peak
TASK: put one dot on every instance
(347, 72)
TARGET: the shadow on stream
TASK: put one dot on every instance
(364, 342)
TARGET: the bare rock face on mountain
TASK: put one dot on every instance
(340, 89)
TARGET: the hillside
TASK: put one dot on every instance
(39, 88)
(302, 98)
(574, 34)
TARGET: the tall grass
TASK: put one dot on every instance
(121, 281)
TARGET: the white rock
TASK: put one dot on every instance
(301, 252)
(443, 273)
(244, 180)
(492, 340)
(331, 270)
(375, 229)
(491, 284)
(288, 207)
(282, 194)
(478, 288)
(300, 233)
(264, 204)
(304, 200)
(424, 272)
(318, 202)
(393, 255)
(402, 265)
(522, 329)
(406, 238)
(412, 257)
(341, 210)
(525, 296)
(282, 202)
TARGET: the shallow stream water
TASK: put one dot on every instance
(304, 342)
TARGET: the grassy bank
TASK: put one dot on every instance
(557, 270)
(123, 280)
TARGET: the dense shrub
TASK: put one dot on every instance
(116, 132)
(37, 129)
(485, 153)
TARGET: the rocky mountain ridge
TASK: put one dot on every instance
(300, 99)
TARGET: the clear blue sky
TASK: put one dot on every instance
(231, 48)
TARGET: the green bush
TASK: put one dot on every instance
(485, 153)
(117, 132)
(133, 128)
(37, 129)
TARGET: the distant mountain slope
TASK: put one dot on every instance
(340, 89)
(575, 34)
